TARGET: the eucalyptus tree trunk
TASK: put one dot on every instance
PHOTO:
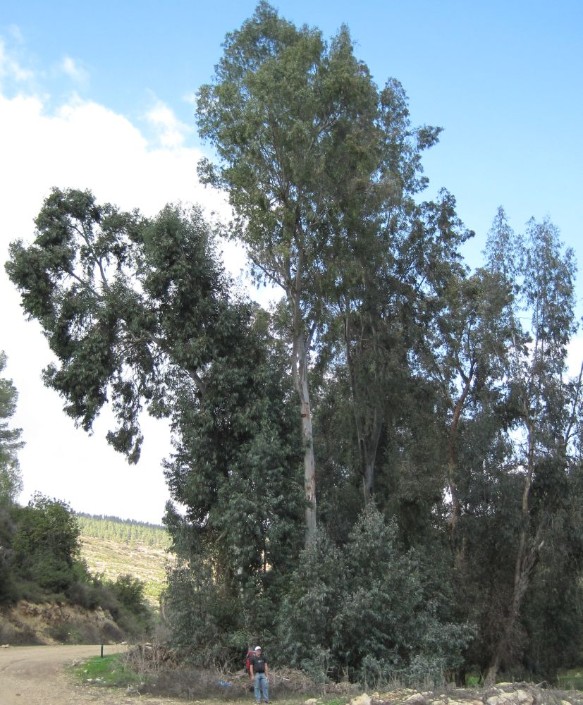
(526, 559)
(368, 448)
(300, 375)
(369, 425)
(452, 460)
(368, 398)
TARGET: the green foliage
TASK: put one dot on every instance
(41, 562)
(129, 607)
(46, 544)
(316, 161)
(203, 617)
(570, 679)
(7, 528)
(310, 604)
(10, 443)
(236, 466)
(364, 611)
(123, 598)
(147, 306)
(539, 467)
(130, 592)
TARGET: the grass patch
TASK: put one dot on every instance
(110, 671)
(571, 679)
(473, 680)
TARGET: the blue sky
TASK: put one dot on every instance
(100, 95)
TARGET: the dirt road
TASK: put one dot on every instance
(36, 675)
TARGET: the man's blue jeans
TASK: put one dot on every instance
(261, 687)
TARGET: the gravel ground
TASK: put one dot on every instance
(36, 675)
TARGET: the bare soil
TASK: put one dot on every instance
(37, 675)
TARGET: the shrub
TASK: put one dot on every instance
(17, 634)
(308, 610)
(86, 595)
(130, 592)
(366, 612)
(46, 543)
(202, 616)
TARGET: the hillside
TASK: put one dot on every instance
(110, 547)
(113, 547)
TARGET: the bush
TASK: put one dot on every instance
(122, 599)
(366, 613)
(86, 595)
(130, 592)
(17, 634)
(46, 543)
(306, 617)
(203, 617)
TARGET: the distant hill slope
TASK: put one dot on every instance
(113, 547)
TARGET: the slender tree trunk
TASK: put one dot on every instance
(369, 444)
(526, 560)
(300, 374)
(369, 424)
(452, 463)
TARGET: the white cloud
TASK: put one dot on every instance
(190, 99)
(170, 131)
(82, 144)
(10, 68)
(74, 70)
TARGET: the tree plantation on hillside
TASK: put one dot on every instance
(113, 547)
(380, 477)
(125, 531)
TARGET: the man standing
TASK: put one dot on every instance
(259, 673)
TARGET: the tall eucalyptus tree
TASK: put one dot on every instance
(316, 161)
(543, 410)
(140, 315)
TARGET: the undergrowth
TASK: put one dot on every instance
(150, 671)
(109, 671)
(147, 670)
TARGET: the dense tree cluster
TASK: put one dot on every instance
(380, 477)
